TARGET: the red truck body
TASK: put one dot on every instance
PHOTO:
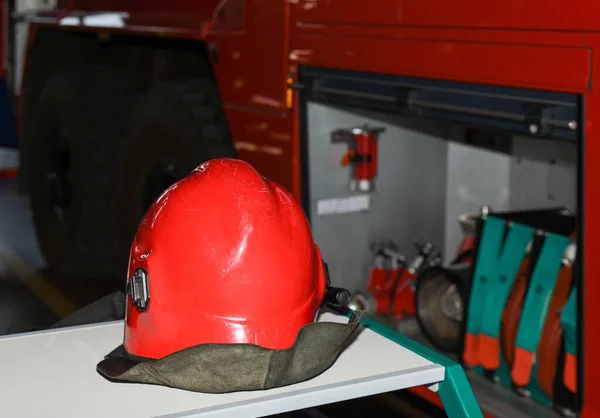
(256, 46)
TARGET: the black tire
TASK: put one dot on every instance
(79, 126)
(176, 126)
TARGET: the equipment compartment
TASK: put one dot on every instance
(425, 171)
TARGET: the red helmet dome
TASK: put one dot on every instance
(223, 256)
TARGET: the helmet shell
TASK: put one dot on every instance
(229, 258)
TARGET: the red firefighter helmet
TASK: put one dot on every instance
(223, 256)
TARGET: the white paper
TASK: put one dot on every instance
(351, 204)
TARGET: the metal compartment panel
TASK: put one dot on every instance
(580, 15)
(409, 202)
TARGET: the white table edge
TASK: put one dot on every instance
(307, 398)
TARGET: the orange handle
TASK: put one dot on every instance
(489, 352)
(348, 157)
(521, 372)
(570, 373)
(471, 348)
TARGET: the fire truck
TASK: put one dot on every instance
(392, 117)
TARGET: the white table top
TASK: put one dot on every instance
(53, 374)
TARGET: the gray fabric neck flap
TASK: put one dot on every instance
(223, 368)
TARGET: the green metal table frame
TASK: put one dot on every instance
(455, 390)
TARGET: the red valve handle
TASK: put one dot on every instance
(348, 158)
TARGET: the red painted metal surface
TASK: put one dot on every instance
(523, 65)
(266, 141)
(591, 265)
(514, 14)
(252, 66)
(250, 220)
(535, 44)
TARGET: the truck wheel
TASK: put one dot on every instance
(177, 126)
(79, 124)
